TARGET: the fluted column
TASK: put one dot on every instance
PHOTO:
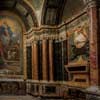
(51, 59)
(44, 59)
(35, 61)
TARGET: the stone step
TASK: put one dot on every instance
(27, 97)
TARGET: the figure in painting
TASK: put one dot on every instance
(4, 33)
(4, 41)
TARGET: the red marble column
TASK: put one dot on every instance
(92, 12)
(51, 59)
(44, 60)
(35, 61)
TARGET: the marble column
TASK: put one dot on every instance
(35, 61)
(51, 59)
(44, 60)
(92, 12)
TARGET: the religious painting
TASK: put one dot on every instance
(78, 41)
(10, 45)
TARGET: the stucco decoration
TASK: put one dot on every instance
(78, 40)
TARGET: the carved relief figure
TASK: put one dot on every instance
(80, 37)
(79, 44)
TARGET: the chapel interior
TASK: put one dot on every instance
(49, 49)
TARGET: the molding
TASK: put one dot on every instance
(11, 80)
(51, 32)
(53, 29)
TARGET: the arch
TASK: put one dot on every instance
(52, 12)
(23, 9)
(56, 11)
(30, 10)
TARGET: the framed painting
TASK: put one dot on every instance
(11, 44)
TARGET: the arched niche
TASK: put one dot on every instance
(16, 18)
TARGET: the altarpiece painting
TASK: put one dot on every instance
(11, 41)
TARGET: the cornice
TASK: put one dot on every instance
(53, 29)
